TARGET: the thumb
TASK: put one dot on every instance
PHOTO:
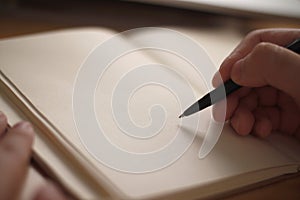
(269, 64)
(15, 151)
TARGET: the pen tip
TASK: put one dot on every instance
(181, 116)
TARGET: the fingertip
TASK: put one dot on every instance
(262, 127)
(17, 143)
(24, 128)
(242, 121)
(50, 191)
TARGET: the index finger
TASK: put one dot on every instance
(281, 37)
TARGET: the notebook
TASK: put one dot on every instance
(38, 74)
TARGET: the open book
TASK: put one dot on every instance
(38, 74)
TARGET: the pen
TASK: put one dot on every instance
(229, 87)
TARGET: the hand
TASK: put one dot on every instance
(270, 73)
(15, 152)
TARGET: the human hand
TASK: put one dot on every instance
(15, 152)
(270, 73)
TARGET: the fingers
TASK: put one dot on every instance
(262, 120)
(15, 150)
(262, 127)
(257, 122)
(232, 101)
(280, 37)
(3, 124)
(260, 60)
(267, 96)
(50, 192)
(273, 113)
(256, 113)
(242, 121)
(269, 64)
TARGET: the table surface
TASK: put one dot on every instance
(24, 17)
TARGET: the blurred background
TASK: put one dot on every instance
(27, 16)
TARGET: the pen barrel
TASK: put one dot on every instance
(213, 97)
(295, 46)
(222, 91)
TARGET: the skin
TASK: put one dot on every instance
(270, 74)
(15, 153)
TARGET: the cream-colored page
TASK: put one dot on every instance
(44, 68)
(57, 162)
(287, 144)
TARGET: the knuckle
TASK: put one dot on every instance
(263, 47)
(257, 64)
(254, 33)
(269, 53)
(266, 52)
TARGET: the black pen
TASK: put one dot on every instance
(229, 86)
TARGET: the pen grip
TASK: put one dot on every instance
(219, 93)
